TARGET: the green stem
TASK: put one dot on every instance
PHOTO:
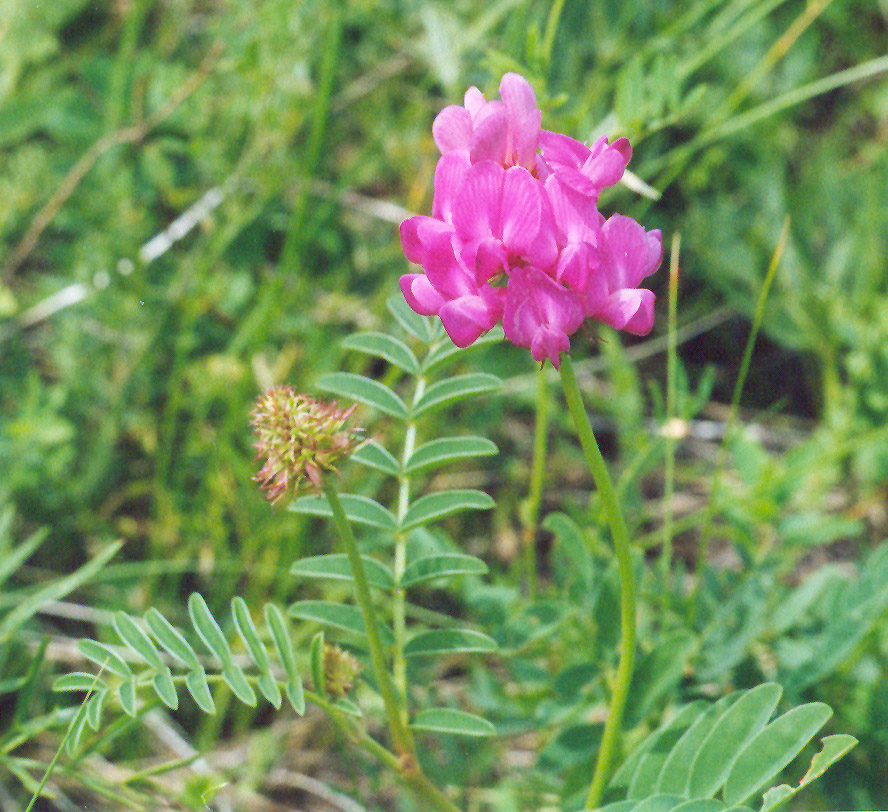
(531, 508)
(671, 373)
(627, 581)
(400, 732)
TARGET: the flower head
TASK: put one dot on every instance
(340, 670)
(515, 233)
(300, 439)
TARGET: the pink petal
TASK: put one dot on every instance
(623, 146)
(452, 129)
(417, 232)
(534, 300)
(524, 118)
(521, 210)
(489, 259)
(420, 295)
(474, 100)
(625, 252)
(477, 204)
(446, 273)
(576, 180)
(562, 150)
(654, 240)
(575, 214)
(549, 343)
(630, 310)
(490, 136)
(465, 319)
(449, 173)
(605, 169)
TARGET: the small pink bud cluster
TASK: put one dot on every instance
(515, 233)
(299, 438)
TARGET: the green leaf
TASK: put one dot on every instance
(94, 707)
(335, 567)
(449, 641)
(834, 747)
(316, 658)
(441, 565)
(452, 390)
(386, 347)
(729, 735)
(436, 506)
(196, 683)
(448, 720)
(659, 671)
(701, 805)
(659, 803)
(235, 679)
(79, 681)
(358, 509)
(72, 739)
(137, 640)
(772, 749)
(349, 707)
(269, 687)
(165, 688)
(445, 352)
(207, 629)
(452, 449)
(280, 633)
(365, 390)
(11, 561)
(373, 455)
(418, 326)
(337, 616)
(243, 622)
(101, 655)
(126, 692)
(675, 777)
(171, 638)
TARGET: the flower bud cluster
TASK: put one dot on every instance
(300, 439)
(515, 233)
(340, 670)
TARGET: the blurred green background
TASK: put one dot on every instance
(275, 145)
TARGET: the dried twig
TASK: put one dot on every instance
(127, 135)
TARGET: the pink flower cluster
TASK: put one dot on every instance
(515, 233)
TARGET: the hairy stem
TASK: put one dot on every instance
(620, 536)
(400, 732)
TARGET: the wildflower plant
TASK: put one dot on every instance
(515, 239)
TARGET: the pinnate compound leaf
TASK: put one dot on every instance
(373, 455)
(452, 390)
(171, 638)
(436, 506)
(137, 640)
(280, 633)
(730, 734)
(358, 509)
(418, 326)
(834, 747)
(441, 565)
(772, 749)
(386, 347)
(441, 452)
(196, 683)
(335, 567)
(337, 616)
(104, 656)
(675, 777)
(449, 641)
(365, 390)
(448, 720)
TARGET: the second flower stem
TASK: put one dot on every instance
(620, 536)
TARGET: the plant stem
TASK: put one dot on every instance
(620, 535)
(671, 372)
(531, 507)
(400, 732)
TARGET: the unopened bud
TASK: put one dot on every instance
(340, 670)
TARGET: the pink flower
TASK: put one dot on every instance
(516, 235)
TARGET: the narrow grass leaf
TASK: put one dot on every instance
(452, 390)
(336, 615)
(441, 565)
(730, 734)
(104, 656)
(11, 561)
(207, 628)
(452, 449)
(418, 326)
(448, 720)
(449, 641)
(137, 640)
(386, 347)
(358, 509)
(834, 747)
(373, 455)
(365, 390)
(171, 638)
(335, 567)
(165, 688)
(772, 749)
(196, 683)
(436, 506)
